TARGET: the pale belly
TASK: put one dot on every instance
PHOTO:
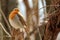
(15, 23)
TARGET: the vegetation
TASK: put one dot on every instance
(47, 30)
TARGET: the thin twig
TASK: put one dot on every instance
(48, 6)
(5, 18)
(5, 30)
(5, 21)
(40, 25)
(45, 7)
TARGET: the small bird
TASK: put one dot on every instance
(16, 19)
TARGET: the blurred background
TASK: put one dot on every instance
(35, 13)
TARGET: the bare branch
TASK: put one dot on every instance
(5, 30)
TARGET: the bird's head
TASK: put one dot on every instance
(16, 9)
(13, 13)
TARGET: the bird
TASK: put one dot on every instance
(16, 19)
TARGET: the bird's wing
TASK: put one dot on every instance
(21, 18)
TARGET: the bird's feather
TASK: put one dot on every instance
(21, 18)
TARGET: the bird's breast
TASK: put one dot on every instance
(15, 22)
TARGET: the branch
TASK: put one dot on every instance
(5, 20)
(5, 30)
